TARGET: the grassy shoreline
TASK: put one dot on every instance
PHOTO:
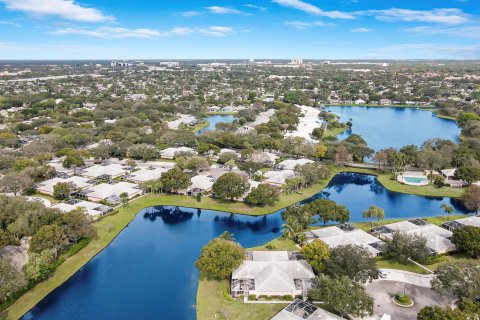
(126, 214)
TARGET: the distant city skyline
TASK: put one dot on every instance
(270, 29)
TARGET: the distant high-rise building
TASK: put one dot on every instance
(296, 61)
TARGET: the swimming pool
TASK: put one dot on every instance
(415, 180)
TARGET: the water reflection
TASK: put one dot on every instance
(168, 214)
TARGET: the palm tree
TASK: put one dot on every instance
(227, 236)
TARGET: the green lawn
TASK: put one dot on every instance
(333, 132)
(211, 304)
(233, 113)
(126, 214)
(199, 126)
(393, 185)
(396, 264)
(278, 244)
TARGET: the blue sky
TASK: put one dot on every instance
(189, 29)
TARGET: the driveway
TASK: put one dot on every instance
(416, 279)
(384, 291)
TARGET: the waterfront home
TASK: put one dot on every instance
(93, 209)
(346, 234)
(438, 239)
(459, 223)
(272, 273)
(277, 178)
(110, 192)
(303, 310)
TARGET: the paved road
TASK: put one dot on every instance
(384, 291)
(421, 280)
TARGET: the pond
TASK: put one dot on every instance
(213, 119)
(149, 272)
(395, 127)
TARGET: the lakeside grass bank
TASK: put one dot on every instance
(109, 227)
(211, 300)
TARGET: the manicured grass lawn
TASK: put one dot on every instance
(333, 132)
(120, 220)
(199, 126)
(211, 304)
(396, 264)
(393, 185)
(278, 244)
(454, 257)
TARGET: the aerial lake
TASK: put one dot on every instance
(149, 272)
(395, 127)
(213, 119)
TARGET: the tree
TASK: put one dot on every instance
(447, 208)
(328, 210)
(175, 179)
(40, 265)
(49, 237)
(15, 183)
(342, 295)
(299, 214)
(466, 309)
(11, 280)
(262, 195)
(73, 159)
(321, 151)
(342, 156)
(374, 212)
(471, 198)
(230, 186)
(124, 199)
(219, 258)
(461, 279)
(63, 190)
(143, 151)
(316, 253)
(77, 225)
(404, 246)
(467, 240)
(354, 262)
(468, 174)
(291, 229)
(227, 236)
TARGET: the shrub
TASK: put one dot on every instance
(402, 298)
(227, 295)
(287, 297)
(252, 297)
(270, 246)
(77, 247)
(262, 297)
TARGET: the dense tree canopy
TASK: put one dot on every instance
(219, 258)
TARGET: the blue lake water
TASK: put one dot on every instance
(395, 127)
(213, 119)
(148, 271)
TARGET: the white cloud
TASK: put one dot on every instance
(190, 14)
(10, 23)
(263, 9)
(464, 32)
(305, 25)
(360, 30)
(122, 33)
(110, 32)
(310, 8)
(223, 10)
(66, 9)
(450, 16)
